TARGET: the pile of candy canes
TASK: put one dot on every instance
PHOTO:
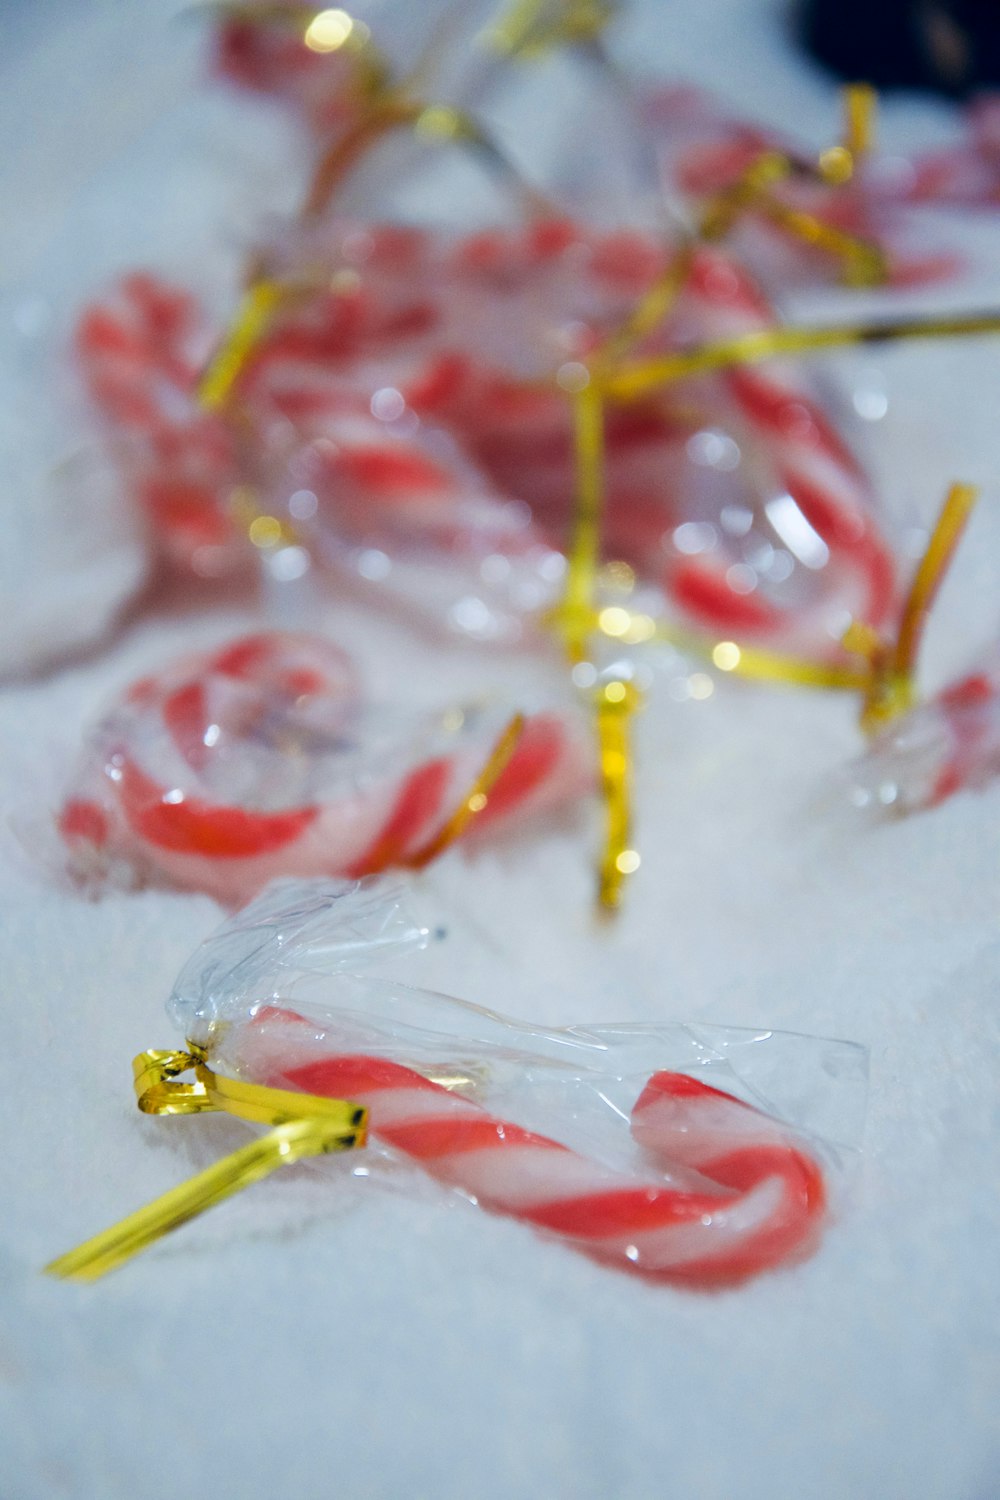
(551, 434)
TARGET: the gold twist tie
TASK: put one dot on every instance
(476, 800)
(531, 28)
(260, 302)
(577, 617)
(863, 262)
(891, 686)
(631, 381)
(302, 1125)
(837, 164)
(617, 703)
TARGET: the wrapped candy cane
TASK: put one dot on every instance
(813, 498)
(140, 351)
(706, 1188)
(948, 744)
(260, 759)
(692, 1229)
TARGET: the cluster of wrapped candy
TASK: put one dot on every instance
(406, 408)
(276, 997)
(402, 418)
(402, 412)
(262, 759)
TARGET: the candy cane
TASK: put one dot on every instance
(948, 744)
(742, 1197)
(821, 505)
(135, 351)
(256, 761)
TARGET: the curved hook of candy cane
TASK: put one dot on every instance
(753, 1200)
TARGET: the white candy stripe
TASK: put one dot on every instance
(723, 1232)
(520, 1177)
(397, 1108)
(696, 1130)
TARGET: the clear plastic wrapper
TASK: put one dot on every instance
(696, 1154)
(946, 745)
(262, 759)
(407, 417)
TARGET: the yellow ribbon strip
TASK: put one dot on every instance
(477, 798)
(252, 318)
(650, 311)
(629, 382)
(753, 192)
(302, 1125)
(837, 164)
(724, 208)
(757, 664)
(576, 611)
(617, 703)
(530, 28)
(891, 688)
(863, 261)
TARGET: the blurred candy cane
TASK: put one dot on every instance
(949, 743)
(138, 349)
(289, 50)
(810, 213)
(742, 1197)
(967, 174)
(819, 507)
(259, 760)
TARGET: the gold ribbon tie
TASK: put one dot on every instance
(302, 1125)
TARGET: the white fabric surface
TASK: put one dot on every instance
(300, 1341)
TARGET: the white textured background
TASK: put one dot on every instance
(297, 1342)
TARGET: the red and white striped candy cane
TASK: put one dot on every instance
(818, 485)
(808, 487)
(135, 349)
(259, 760)
(946, 745)
(743, 1197)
